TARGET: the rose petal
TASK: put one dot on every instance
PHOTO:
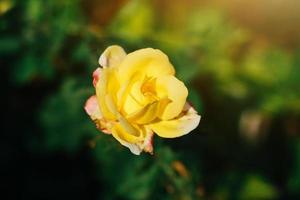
(112, 56)
(150, 112)
(92, 108)
(148, 143)
(136, 144)
(127, 139)
(145, 62)
(175, 90)
(96, 76)
(106, 84)
(178, 126)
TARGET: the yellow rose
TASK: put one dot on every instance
(137, 95)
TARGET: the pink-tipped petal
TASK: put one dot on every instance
(96, 76)
(92, 108)
(148, 143)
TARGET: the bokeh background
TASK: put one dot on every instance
(239, 59)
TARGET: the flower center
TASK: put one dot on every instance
(148, 89)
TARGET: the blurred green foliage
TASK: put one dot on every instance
(256, 188)
(60, 114)
(228, 69)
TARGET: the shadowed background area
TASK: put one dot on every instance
(239, 59)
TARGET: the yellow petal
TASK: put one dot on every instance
(136, 144)
(101, 92)
(130, 98)
(123, 134)
(111, 105)
(150, 62)
(112, 56)
(131, 105)
(149, 113)
(134, 148)
(128, 139)
(130, 129)
(175, 90)
(178, 126)
(107, 84)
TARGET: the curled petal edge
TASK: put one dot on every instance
(92, 109)
(137, 147)
(96, 76)
(187, 121)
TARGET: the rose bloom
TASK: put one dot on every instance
(137, 95)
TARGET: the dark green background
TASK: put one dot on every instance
(243, 78)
